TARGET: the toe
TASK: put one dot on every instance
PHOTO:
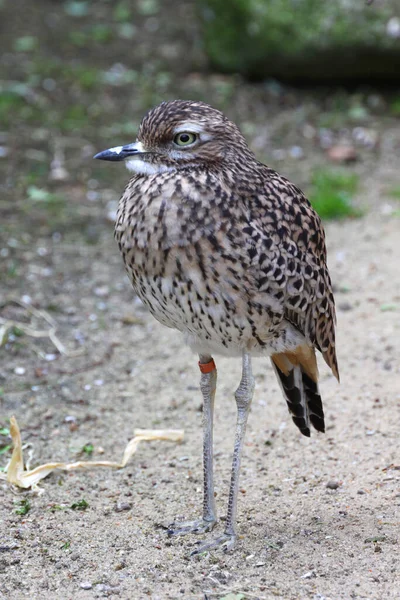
(185, 527)
(226, 543)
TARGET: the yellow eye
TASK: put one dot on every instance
(185, 138)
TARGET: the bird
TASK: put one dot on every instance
(230, 253)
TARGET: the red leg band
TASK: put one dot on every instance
(207, 367)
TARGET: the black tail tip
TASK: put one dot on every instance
(301, 424)
(318, 422)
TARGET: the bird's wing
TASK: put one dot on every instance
(291, 254)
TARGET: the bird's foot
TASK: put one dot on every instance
(185, 527)
(225, 542)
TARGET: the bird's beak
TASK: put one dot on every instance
(121, 152)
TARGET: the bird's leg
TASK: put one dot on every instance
(243, 396)
(208, 383)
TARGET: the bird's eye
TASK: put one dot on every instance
(185, 138)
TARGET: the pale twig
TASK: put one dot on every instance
(6, 325)
(16, 474)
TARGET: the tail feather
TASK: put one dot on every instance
(314, 402)
(297, 374)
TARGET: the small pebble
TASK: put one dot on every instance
(332, 485)
(66, 393)
(345, 306)
(106, 589)
(308, 575)
(92, 196)
(102, 291)
(121, 506)
(342, 153)
(296, 152)
(85, 585)
(19, 371)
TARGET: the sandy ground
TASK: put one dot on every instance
(299, 536)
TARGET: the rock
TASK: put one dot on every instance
(85, 585)
(308, 575)
(345, 306)
(303, 39)
(121, 506)
(342, 153)
(332, 485)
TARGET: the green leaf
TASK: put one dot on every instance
(122, 12)
(394, 192)
(38, 194)
(56, 507)
(81, 505)
(88, 449)
(331, 193)
(389, 307)
(23, 507)
(375, 538)
(17, 331)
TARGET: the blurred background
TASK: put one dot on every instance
(314, 86)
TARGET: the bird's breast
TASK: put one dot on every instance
(195, 266)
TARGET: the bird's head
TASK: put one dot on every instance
(178, 134)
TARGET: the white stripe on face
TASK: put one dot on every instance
(141, 167)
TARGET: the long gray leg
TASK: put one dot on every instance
(208, 383)
(243, 396)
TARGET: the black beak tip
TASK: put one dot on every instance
(118, 153)
(110, 155)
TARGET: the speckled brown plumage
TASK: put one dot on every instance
(222, 247)
(226, 250)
